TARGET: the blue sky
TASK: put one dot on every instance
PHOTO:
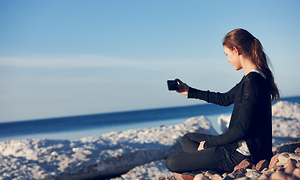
(69, 57)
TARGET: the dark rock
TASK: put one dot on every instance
(262, 164)
(238, 173)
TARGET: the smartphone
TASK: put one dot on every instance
(172, 85)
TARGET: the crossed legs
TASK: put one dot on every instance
(217, 158)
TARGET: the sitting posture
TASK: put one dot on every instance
(250, 130)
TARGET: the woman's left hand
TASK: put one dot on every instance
(201, 146)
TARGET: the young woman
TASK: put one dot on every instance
(250, 130)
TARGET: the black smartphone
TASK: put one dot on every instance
(172, 85)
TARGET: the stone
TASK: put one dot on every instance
(261, 165)
(264, 170)
(296, 172)
(297, 151)
(223, 122)
(200, 177)
(178, 176)
(224, 175)
(252, 173)
(291, 165)
(280, 169)
(284, 157)
(277, 176)
(187, 177)
(274, 161)
(213, 175)
(262, 177)
(216, 177)
(238, 173)
(268, 173)
(246, 163)
(242, 178)
(228, 177)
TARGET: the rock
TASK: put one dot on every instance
(273, 169)
(286, 109)
(297, 151)
(274, 161)
(216, 177)
(178, 176)
(223, 122)
(227, 177)
(238, 173)
(213, 175)
(277, 176)
(167, 178)
(187, 177)
(264, 170)
(284, 157)
(246, 163)
(262, 177)
(261, 165)
(291, 165)
(252, 173)
(242, 178)
(199, 177)
(296, 172)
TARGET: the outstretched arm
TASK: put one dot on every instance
(223, 99)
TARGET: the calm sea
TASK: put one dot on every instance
(76, 127)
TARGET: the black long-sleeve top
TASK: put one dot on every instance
(251, 118)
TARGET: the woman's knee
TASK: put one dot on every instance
(171, 163)
(187, 138)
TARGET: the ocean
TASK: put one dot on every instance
(76, 127)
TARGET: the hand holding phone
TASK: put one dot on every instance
(179, 86)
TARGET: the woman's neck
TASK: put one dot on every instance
(248, 65)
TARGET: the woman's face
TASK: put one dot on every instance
(233, 57)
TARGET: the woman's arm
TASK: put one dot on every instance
(222, 99)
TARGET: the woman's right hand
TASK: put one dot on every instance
(182, 87)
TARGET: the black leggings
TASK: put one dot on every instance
(216, 158)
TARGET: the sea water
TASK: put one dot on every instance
(76, 127)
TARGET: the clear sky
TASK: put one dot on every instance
(69, 57)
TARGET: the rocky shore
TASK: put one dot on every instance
(141, 153)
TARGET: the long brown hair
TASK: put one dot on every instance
(251, 47)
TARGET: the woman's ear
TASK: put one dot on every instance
(236, 50)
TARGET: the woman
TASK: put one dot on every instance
(250, 130)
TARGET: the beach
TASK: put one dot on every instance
(130, 154)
